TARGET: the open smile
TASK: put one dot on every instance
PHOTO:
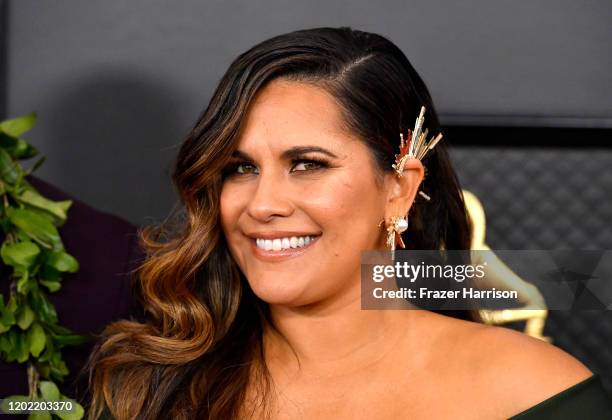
(280, 248)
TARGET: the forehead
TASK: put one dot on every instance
(285, 112)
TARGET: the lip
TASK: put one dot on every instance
(284, 254)
(278, 234)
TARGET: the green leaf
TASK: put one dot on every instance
(47, 354)
(5, 225)
(11, 306)
(37, 339)
(4, 327)
(46, 215)
(40, 415)
(22, 352)
(58, 329)
(49, 390)
(17, 126)
(25, 150)
(5, 408)
(56, 208)
(22, 237)
(44, 308)
(77, 412)
(25, 317)
(36, 227)
(71, 340)
(21, 254)
(5, 323)
(10, 347)
(5, 344)
(8, 313)
(9, 169)
(59, 370)
(23, 284)
(8, 142)
(36, 165)
(52, 286)
(49, 273)
(62, 261)
(17, 148)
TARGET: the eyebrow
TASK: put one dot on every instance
(293, 153)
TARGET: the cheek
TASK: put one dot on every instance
(347, 208)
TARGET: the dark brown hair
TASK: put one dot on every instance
(202, 346)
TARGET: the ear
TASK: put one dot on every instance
(401, 191)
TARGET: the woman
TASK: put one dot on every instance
(255, 301)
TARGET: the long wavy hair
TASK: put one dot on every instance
(201, 346)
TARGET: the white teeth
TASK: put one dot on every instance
(277, 245)
(284, 243)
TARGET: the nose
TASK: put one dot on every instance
(270, 199)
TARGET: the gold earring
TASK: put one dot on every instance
(397, 225)
(415, 146)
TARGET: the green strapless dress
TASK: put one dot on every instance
(585, 400)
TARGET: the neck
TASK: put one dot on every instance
(333, 337)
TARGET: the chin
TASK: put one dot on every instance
(281, 294)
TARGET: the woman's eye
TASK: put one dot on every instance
(239, 169)
(307, 165)
(245, 168)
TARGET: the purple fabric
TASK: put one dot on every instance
(106, 247)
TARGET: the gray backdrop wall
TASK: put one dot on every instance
(118, 84)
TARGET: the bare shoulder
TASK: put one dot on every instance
(514, 369)
(539, 360)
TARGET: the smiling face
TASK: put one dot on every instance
(301, 201)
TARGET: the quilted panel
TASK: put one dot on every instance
(541, 198)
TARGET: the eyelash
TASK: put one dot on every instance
(232, 169)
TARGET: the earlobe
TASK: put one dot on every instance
(395, 228)
(402, 193)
